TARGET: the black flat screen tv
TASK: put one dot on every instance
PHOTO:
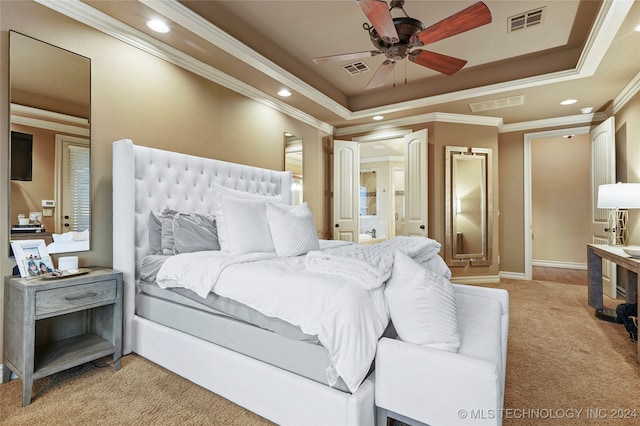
(21, 156)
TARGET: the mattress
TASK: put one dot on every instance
(236, 326)
(302, 357)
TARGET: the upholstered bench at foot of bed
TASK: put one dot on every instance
(421, 385)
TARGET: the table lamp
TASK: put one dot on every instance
(618, 198)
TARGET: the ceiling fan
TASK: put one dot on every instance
(395, 37)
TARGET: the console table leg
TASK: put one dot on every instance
(594, 266)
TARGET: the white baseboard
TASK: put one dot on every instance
(556, 264)
(512, 275)
(480, 279)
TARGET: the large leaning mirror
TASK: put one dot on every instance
(468, 206)
(49, 145)
(293, 163)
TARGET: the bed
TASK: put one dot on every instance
(149, 180)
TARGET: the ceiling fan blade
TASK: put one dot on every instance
(467, 19)
(346, 56)
(381, 74)
(378, 14)
(436, 61)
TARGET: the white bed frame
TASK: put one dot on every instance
(146, 179)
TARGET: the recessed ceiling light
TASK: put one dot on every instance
(284, 92)
(158, 26)
(568, 101)
(637, 28)
(587, 110)
(378, 117)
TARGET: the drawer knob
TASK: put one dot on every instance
(82, 296)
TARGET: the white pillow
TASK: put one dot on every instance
(221, 193)
(422, 305)
(246, 225)
(292, 229)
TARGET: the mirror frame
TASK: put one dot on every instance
(44, 114)
(453, 258)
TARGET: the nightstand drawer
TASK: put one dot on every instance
(65, 298)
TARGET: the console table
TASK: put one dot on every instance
(595, 254)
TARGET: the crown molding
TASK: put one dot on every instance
(629, 91)
(608, 21)
(199, 26)
(572, 120)
(419, 119)
(49, 120)
(87, 15)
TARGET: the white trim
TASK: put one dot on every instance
(557, 264)
(571, 120)
(626, 94)
(49, 120)
(512, 275)
(608, 22)
(479, 279)
(392, 125)
(528, 139)
(86, 14)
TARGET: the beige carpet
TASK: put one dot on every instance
(561, 360)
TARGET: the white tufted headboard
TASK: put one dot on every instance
(147, 179)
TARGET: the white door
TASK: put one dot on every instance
(346, 185)
(603, 171)
(416, 180)
(73, 184)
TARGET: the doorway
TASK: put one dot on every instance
(530, 231)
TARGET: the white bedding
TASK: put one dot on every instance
(347, 318)
(336, 293)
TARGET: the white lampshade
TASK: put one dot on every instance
(619, 196)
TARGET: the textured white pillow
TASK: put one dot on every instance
(292, 229)
(422, 305)
(246, 225)
(221, 193)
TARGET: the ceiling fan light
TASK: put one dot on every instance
(158, 26)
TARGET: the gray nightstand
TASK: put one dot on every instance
(53, 325)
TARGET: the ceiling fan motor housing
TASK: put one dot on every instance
(406, 28)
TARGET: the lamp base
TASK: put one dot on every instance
(607, 314)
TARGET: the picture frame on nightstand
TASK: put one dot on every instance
(30, 257)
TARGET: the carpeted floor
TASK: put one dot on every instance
(564, 367)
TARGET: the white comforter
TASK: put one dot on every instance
(338, 295)
(347, 318)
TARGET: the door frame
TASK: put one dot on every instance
(529, 138)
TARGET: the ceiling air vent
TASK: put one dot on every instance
(497, 103)
(525, 20)
(356, 68)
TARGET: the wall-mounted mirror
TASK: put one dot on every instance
(468, 205)
(50, 138)
(369, 192)
(293, 163)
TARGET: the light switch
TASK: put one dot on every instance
(47, 212)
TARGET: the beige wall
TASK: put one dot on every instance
(560, 199)
(141, 97)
